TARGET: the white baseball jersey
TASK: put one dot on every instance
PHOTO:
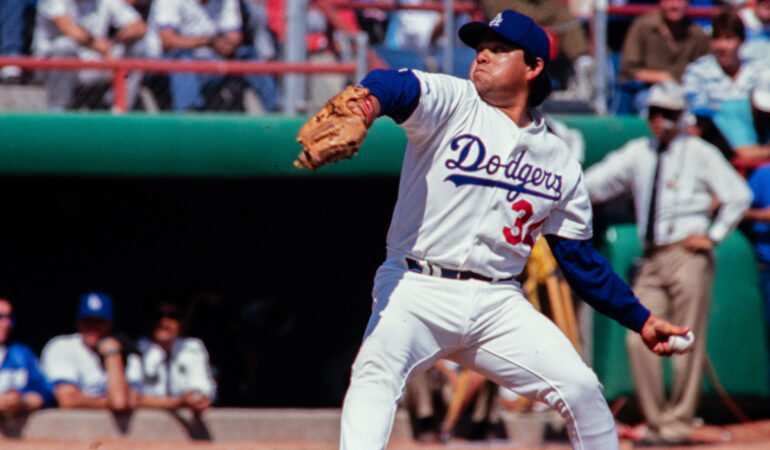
(66, 359)
(191, 18)
(476, 189)
(186, 369)
(96, 16)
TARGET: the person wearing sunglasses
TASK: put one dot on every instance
(174, 371)
(673, 178)
(23, 388)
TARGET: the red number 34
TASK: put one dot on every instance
(516, 235)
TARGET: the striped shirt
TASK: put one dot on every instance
(706, 85)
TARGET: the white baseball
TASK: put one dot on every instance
(682, 344)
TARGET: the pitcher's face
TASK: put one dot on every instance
(499, 68)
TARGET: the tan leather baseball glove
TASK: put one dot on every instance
(336, 131)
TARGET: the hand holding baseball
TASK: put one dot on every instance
(682, 344)
(656, 333)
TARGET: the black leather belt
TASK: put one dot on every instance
(416, 266)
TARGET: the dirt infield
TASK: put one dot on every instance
(748, 436)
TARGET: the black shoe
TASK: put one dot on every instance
(426, 431)
(480, 431)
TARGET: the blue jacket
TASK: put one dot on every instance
(20, 371)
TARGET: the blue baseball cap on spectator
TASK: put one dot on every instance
(513, 26)
(95, 304)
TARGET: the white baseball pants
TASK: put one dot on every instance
(484, 326)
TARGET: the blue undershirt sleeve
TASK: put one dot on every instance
(592, 278)
(397, 90)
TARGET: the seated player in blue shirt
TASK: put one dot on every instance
(22, 386)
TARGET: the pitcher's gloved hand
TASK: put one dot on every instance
(336, 131)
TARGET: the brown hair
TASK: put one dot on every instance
(727, 24)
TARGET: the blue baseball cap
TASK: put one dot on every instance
(513, 26)
(95, 304)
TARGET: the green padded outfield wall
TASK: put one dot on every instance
(214, 145)
(175, 145)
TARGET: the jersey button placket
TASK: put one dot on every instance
(492, 203)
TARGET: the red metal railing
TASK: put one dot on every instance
(476, 10)
(638, 10)
(121, 68)
(459, 7)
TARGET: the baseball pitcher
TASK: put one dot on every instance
(481, 178)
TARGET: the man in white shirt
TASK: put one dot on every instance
(174, 371)
(207, 30)
(86, 368)
(81, 29)
(674, 179)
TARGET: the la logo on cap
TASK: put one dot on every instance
(94, 302)
(497, 20)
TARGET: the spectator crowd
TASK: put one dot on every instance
(663, 44)
(719, 61)
(253, 30)
(212, 30)
(94, 368)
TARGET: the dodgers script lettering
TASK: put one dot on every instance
(472, 158)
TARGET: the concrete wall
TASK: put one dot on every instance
(218, 424)
(232, 425)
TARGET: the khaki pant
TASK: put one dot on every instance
(674, 283)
